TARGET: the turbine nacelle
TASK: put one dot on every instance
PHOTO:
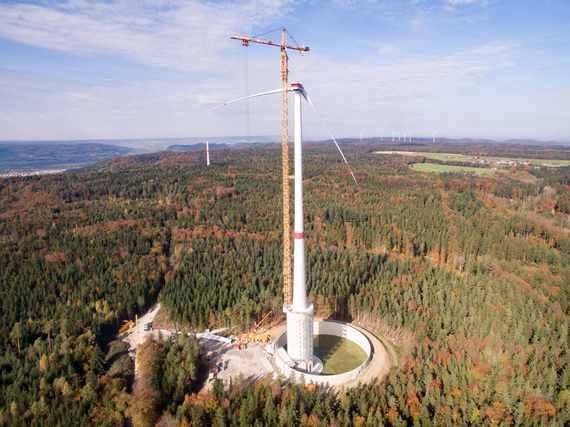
(296, 86)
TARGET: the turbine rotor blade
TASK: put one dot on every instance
(308, 99)
(306, 96)
(255, 95)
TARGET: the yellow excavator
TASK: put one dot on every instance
(127, 324)
(255, 336)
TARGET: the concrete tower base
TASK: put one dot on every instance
(300, 336)
(293, 371)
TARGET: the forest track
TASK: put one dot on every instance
(137, 335)
(454, 234)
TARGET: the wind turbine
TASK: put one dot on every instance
(207, 153)
(300, 312)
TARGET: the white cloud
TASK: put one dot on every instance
(388, 50)
(417, 23)
(452, 4)
(177, 34)
(409, 92)
(462, 2)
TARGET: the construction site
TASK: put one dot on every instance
(302, 349)
(349, 354)
(344, 362)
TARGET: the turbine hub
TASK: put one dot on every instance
(297, 86)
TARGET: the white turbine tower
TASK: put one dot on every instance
(300, 312)
(207, 153)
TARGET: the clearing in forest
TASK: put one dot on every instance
(437, 168)
(484, 160)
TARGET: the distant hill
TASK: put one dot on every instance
(385, 140)
(201, 146)
(34, 156)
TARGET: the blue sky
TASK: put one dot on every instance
(81, 69)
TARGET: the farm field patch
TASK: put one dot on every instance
(438, 168)
(484, 160)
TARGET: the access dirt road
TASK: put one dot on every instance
(137, 335)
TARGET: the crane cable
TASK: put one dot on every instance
(247, 105)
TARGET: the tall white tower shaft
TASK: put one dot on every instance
(207, 153)
(300, 314)
(299, 285)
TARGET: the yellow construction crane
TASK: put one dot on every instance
(245, 41)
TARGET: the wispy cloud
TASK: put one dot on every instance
(385, 87)
(373, 94)
(177, 34)
(463, 2)
(453, 4)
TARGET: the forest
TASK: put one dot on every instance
(468, 277)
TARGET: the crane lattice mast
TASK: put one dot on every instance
(245, 41)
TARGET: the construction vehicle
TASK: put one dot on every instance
(255, 336)
(260, 338)
(263, 319)
(127, 324)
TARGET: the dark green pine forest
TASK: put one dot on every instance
(466, 277)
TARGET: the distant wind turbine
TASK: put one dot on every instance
(207, 153)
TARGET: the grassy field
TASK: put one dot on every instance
(551, 163)
(437, 168)
(454, 157)
(338, 354)
(446, 157)
(443, 157)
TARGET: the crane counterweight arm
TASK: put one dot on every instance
(246, 40)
